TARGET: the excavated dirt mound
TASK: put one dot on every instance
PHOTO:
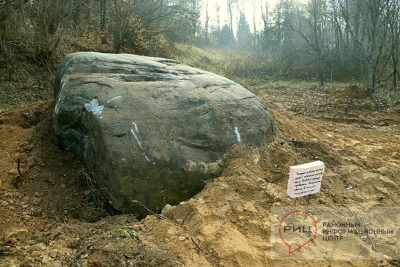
(52, 213)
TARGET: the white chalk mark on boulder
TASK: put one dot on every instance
(136, 128)
(113, 99)
(134, 132)
(94, 107)
(137, 139)
(238, 138)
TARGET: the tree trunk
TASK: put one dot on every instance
(395, 71)
(370, 77)
(317, 39)
(320, 71)
(103, 19)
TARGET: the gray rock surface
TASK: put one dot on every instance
(151, 129)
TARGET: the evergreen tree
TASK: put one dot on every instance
(225, 37)
(243, 33)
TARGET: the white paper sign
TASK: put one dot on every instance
(305, 179)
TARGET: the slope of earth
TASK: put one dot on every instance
(52, 214)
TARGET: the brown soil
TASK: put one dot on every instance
(53, 215)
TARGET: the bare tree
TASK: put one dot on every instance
(369, 33)
(122, 15)
(316, 22)
(206, 26)
(393, 22)
(217, 14)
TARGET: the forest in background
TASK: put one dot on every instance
(352, 41)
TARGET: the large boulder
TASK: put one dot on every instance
(151, 129)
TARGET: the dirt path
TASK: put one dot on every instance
(52, 215)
